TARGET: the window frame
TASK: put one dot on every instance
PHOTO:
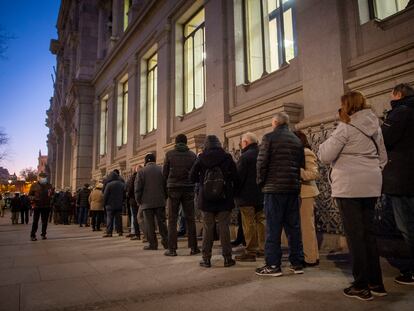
(124, 96)
(103, 150)
(154, 71)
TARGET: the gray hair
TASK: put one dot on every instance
(250, 137)
(281, 118)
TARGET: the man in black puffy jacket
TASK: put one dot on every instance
(82, 202)
(398, 175)
(177, 165)
(280, 159)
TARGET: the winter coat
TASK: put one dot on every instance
(40, 195)
(15, 204)
(131, 191)
(308, 175)
(65, 201)
(177, 166)
(281, 156)
(248, 193)
(25, 203)
(82, 199)
(210, 158)
(398, 132)
(96, 200)
(150, 187)
(356, 164)
(114, 193)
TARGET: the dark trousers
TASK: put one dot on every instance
(24, 216)
(42, 213)
(83, 215)
(134, 220)
(358, 220)
(149, 219)
(223, 222)
(404, 218)
(282, 212)
(96, 219)
(111, 217)
(186, 200)
(65, 216)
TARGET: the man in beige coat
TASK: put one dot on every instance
(97, 207)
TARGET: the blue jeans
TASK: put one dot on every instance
(83, 215)
(113, 216)
(404, 218)
(282, 212)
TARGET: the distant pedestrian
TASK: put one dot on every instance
(96, 201)
(356, 153)
(40, 196)
(308, 192)
(216, 173)
(82, 201)
(176, 170)
(15, 206)
(114, 196)
(65, 205)
(2, 205)
(150, 194)
(24, 209)
(281, 156)
(398, 131)
(55, 207)
(249, 198)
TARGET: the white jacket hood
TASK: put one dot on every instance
(366, 121)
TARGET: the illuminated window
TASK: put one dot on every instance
(194, 62)
(269, 36)
(127, 7)
(103, 127)
(379, 9)
(151, 107)
(122, 114)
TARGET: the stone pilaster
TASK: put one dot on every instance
(133, 107)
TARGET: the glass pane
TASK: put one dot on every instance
(152, 62)
(385, 8)
(125, 118)
(126, 10)
(273, 45)
(102, 138)
(272, 5)
(198, 68)
(254, 37)
(119, 117)
(155, 105)
(289, 38)
(402, 4)
(188, 76)
(150, 101)
(192, 24)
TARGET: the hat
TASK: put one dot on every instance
(99, 185)
(86, 185)
(42, 174)
(150, 157)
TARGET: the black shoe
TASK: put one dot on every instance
(44, 237)
(33, 238)
(180, 233)
(164, 244)
(195, 251)
(228, 262)
(235, 243)
(129, 235)
(361, 294)
(296, 269)
(93, 229)
(269, 271)
(405, 279)
(120, 234)
(206, 263)
(260, 254)
(378, 290)
(80, 226)
(150, 248)
(171, 253)
(310, 264)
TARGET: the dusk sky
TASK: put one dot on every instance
(25, 78)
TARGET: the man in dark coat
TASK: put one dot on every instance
(215, 208)
(82, 201)
(40, 195)
(114, 196)
(24, 209)
(249, 198)
(177, 165)
(281, 156)
(133, 206)
(15, 206)
(150, 194)
(398, 174)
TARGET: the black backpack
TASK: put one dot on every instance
(214, 184)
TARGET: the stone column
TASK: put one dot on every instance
(101, 34)
(216, 63)
(117, 18)
(57, 181)
(111, 134)
(66, 160)
(133, 106)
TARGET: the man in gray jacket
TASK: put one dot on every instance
(151, 194)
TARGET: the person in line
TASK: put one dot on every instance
(249, 198)
(65, 205)
(398, 176)
(55, 207)
(176, 170)
(96, 203)
(308, 193)
(114, 196)
(82, 202)
(24, 209)
(281, 156)
(151, 194)
(216, 173)
(356, 153)
(40, 195)
(240, 239)
(15, 206)
(2, 205)
(135, 233)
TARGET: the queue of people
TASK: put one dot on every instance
(273, 185)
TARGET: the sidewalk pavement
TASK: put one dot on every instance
(77, 269)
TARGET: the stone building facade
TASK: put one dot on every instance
(131, 75)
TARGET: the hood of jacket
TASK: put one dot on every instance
(366, 121)
(112, 176)
(213, 157)
(181, 147)
(406, 101)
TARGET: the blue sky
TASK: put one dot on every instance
(25, 78)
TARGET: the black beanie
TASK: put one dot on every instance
(181, 138)
(149, 158)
